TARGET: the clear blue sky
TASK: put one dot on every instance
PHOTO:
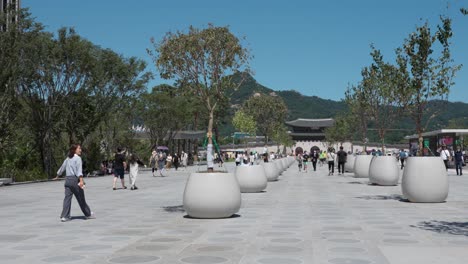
(314, 47)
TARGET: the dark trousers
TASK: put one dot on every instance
(314, 164)
(458, 166)
(402, 163)
(72, 188)
(446, 164)
(341, 167)
(331, 166)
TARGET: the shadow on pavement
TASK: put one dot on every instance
(443, 227)
(396, 197)
(174, 209)
(232, 216)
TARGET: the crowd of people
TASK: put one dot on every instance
(162, 161)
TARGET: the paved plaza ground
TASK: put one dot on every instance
(302, 218)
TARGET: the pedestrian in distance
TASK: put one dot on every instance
(331, 162)
(175, 161)
(445, 155)
(305, 160)
(153, 161)
(323, 157)
(314, 158)
(134, 163)
(74, 184)
(459, 161)
(299, 161)
(120, 165)
(161, 163)
(184, 158)
(168, 161)
(402, 156)
(342, 157)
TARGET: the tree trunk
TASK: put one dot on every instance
(210, 150)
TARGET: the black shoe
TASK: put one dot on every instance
(132, 188)
(135, 188)
(114, 188)
(125, 187)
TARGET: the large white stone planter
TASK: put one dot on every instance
(425, 180)
(349, 165)
(251, 178)
(384, 170)
(361, 166)
(284, 164)
(212, 195)
(279, 167)
(270, 171)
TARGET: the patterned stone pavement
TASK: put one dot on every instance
(302, 218)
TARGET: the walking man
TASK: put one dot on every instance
(314, 157)
(342, 156)
(119, 168)
(459, 161)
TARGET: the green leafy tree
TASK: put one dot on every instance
(14, 41)
(62, 67)
(281, 136)
(342, 131)
(244, 123)
(164, 111)
(269, 112)
(356, 97)
(429, 76)
(202, 61)
(386, 89)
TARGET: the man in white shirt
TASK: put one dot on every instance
(445, 155)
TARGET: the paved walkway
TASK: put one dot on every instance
(303, 218)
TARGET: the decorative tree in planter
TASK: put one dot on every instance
(202, 61)
(425, 178)
(356, 98)
(386, 89)
(429, 77)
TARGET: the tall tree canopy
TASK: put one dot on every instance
(202, 61)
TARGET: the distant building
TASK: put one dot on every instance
(309, 129)
(6, 6)
(433, 140)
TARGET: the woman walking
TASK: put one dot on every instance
(161, 163)
(153, 159)
(331, 162)
(74, 184)
(134, 163)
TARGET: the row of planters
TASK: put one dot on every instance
(218, 194)
(416, 86)
(424, 179)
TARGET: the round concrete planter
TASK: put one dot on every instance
(361, 166)
(270, 171)
(279, 167)
(212, 195)
(349, 165)
(425, 180)
(251, 178)
(284, 164)
(384, 171)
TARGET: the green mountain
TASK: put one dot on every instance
(300, 106)
(451, 114)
